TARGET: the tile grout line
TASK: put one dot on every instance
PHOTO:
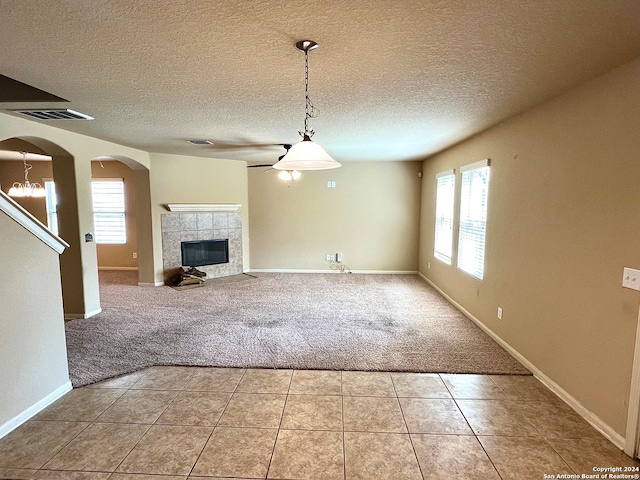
(154, 422)
(406, 425)
(131, 387)
(217, 421)
(455, 400)
(508, 399)
(273, 450)
(557, 452)
(344, 440)
(89, 423)
(61, 448)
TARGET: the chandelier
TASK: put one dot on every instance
(26, 189)
(306, 155)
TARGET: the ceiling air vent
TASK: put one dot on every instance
(55, 114)
(200, 142)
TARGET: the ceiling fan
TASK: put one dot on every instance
(238, 143)
(284, 175)
(286, 146)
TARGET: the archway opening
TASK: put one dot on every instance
(72, 179)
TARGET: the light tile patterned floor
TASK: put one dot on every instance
(169, 423)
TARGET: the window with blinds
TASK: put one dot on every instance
(473, 218)
(445, 194)
(109, 211)
(51, 204)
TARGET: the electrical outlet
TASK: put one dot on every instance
(499, 313)
(338, 257)
(631, 278)
(135, 255)
(428, 265)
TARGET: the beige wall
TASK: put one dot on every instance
(185, 179)
(33, 357)
(563, 213)
(119, 255)
(372, 217)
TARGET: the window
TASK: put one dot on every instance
(445, 194)
(51, 204)
(108, 210)
(473, 218)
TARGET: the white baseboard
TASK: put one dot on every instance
(385, 272)
(286, 270)
(302, 270)
(118, 268)
(595, 421)
(74, 316)
(19, 419)
(131, 269)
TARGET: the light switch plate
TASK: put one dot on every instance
(631, 278)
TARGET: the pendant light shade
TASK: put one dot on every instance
(306, 155)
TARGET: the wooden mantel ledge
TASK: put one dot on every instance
(203, 207)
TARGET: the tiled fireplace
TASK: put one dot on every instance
(184, 227)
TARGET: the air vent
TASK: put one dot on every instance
(57, 114)
(200, 142)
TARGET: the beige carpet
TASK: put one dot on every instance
(303, 321)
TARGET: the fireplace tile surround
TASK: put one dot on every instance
(184, 227)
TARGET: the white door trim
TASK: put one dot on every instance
(633, 415)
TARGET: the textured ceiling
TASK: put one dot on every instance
(393, 80)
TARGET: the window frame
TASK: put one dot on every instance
(444, 213)
(473, 209)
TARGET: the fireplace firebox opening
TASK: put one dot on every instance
(205, 252)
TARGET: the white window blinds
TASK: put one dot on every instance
(109, 211)
(51, 204)
(445, 194)
(473, 218)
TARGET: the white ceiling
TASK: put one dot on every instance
(393, 80)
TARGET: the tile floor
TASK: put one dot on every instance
(169, 423)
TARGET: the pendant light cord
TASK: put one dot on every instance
(309, 110)
(27, 167)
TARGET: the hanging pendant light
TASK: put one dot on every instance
(307, 155)
(27, 189)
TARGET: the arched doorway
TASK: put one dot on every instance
(141, 203)
(78, 269)
(72, 177)
(137, 251)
